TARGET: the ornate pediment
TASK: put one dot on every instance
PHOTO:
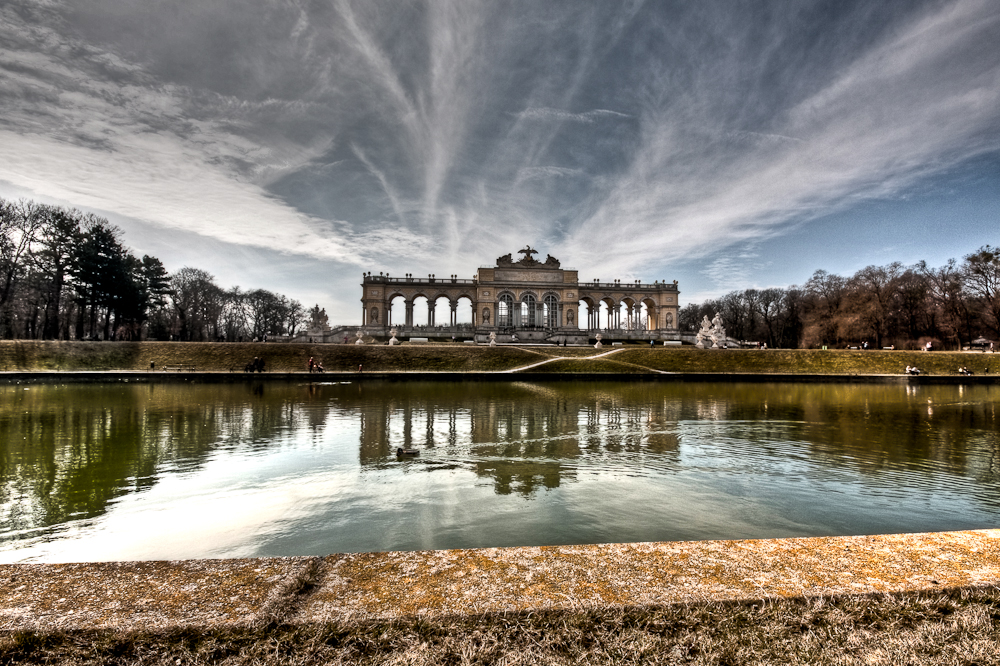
(527, 261)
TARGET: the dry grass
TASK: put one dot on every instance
(233, 356)
(954, 627)
(811, 361)
(292, 357)
(603, 365)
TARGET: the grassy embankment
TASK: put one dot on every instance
(232, 357)
(281, 357)
(809, 361)
(950, 627)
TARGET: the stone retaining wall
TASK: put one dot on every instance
(245, 592)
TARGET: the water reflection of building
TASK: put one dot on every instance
(527, 439)
(537, 300)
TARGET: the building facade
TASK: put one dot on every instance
(530, 299)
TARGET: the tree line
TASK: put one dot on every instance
(67, 275)
(894, 305)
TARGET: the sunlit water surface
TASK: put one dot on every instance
(152, 471)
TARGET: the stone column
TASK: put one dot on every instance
(409, 313)
(454, 314)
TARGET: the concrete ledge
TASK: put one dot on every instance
(212, 377)
(146, 595)
(214, 593)
(387, 585)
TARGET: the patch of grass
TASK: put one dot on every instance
(952, 627)
(808, 361)
(47, 355)
(35, 355)
(585, 365)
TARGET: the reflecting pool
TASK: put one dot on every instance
(164, 471)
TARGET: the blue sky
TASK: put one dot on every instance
(293, 144)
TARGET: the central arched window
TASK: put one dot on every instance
(528, 306)
(551, 311)
(505, 310)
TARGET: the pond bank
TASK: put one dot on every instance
(163, 377)
(386, 586)
(630, 360)
(367, 594)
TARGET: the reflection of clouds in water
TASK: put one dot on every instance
(292, 471)
(224, 509)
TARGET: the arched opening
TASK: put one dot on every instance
(505, 310)
(463, 312)
(421, 311)
(550, 311)
(397, 310)
(648, 313)
(606, 314)
(587, 319)
(441, 316)
(628, 315)
(529, 307)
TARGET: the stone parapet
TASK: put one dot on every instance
(244, 592)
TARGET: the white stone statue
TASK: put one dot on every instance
(598, 345)
(718, 332)
(493, 339)
(359, 341)
(704, 334)
(393, 340)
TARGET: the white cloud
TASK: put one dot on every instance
(915, 105)
(152, 178)
(460, 131)
(566, 116)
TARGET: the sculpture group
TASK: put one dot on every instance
(712, 331)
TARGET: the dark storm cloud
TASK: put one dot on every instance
(362, 131)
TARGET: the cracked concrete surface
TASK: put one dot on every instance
(212, 593)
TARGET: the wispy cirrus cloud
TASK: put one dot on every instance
(618, 138)
(920, 101)
(565, 116)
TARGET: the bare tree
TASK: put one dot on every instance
(981, 272)
(874, 288)
(949, 299)
(198, 302)
(19, 223)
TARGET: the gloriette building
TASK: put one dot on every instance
(530, 299)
